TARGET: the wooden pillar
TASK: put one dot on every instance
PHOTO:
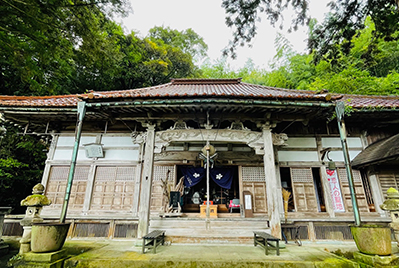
(146, 183)
(89, 188)
(311, 232)
(376, 191)
(140, 140)
(50, 157)
(273, 194)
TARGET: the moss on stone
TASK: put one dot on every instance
(333, 262)
(36, 200)
(392, 190)
(372, 239)
(347, 255)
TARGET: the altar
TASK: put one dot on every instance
(213, 211)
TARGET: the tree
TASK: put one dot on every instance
(154, 60)
(38, 39)
(97, 62)
(345, 19)
(360, 71)
(21, 165)
(188, 40)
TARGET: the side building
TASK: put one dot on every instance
(134, 142)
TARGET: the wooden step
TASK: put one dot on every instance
(220, 230)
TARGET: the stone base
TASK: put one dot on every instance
(42, 260)
(376, 261)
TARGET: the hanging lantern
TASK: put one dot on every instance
(331, 165)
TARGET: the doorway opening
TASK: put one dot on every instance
(286, 183)
(196, 195)
(321, 206)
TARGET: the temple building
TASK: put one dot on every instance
(231, 143)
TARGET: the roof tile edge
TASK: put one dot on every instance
(201, 81)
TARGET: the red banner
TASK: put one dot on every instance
(335, 191)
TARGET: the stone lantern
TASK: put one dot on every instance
(392, 205)
(34, 204)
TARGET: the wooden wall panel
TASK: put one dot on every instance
(304, 190)
(113, 188)
(57, 183)
(253, 180)
(359, 189)
(258, 190)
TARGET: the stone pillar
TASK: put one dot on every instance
(272, 190)
(3, 246)
(146, 183)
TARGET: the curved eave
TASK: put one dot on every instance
(206, 101)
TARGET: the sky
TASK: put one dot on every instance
(207, 19)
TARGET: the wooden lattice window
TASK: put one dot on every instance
(113, 188)
(388, 179)
(359, 189)
(253, 180)
(57, 183)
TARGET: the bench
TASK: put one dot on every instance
(263, 239)
(153, 240)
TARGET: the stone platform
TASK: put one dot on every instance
(125, 254)
(377, 261)
(42, 260)
(121, 253)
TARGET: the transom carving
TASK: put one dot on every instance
(253, 139)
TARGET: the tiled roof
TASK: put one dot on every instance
(200, 88)
(359, 101)
(42, 101)
(209, 88)
(382, 150)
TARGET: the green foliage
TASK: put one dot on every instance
(188, 40)
(360, 71)
(72, 46)
(38, 40)
(22, 161)
(345, 19)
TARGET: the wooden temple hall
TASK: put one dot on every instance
(150, 158)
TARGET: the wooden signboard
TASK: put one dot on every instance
(174, 199)
(248, 208)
